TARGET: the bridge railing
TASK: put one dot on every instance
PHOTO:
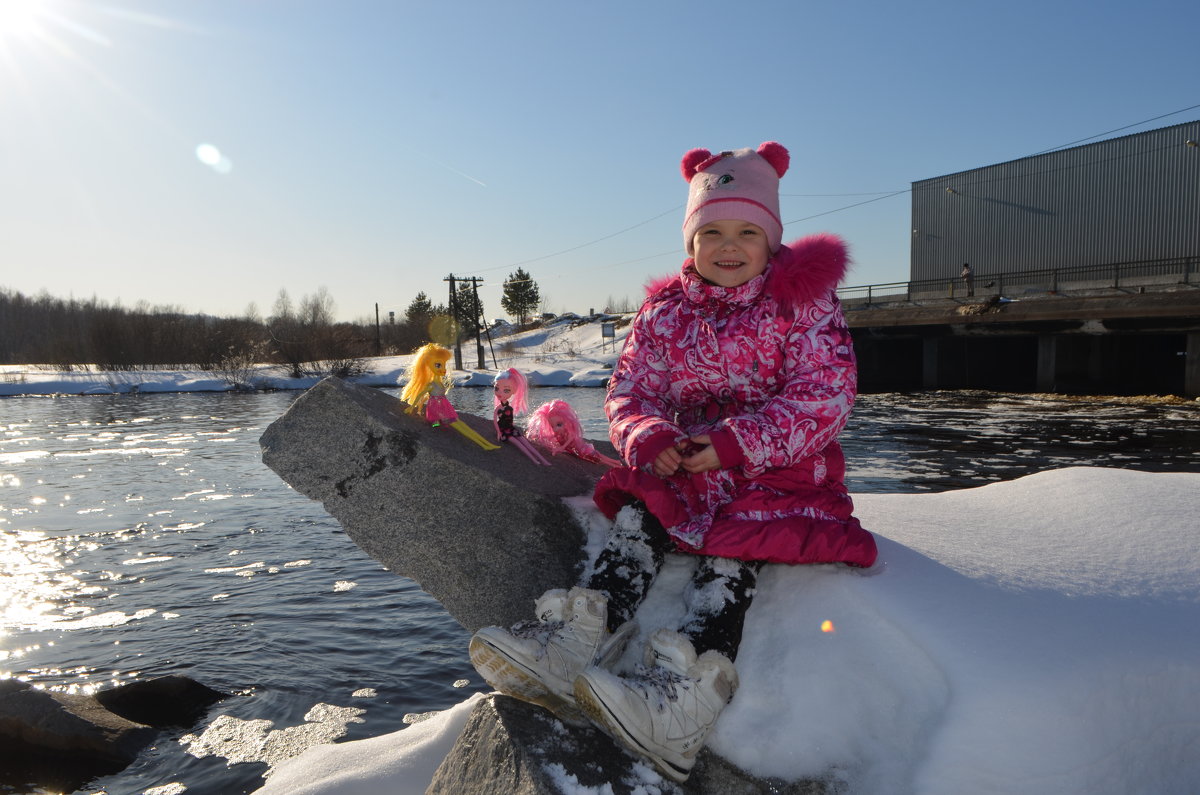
(1046, 281)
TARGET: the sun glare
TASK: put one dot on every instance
(20, 18)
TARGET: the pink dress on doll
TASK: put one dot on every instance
(438, 408)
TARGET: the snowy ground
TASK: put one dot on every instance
(1032, 636)
(559, 354)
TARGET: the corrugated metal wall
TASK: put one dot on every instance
(1127, 199)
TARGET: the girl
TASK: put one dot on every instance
(426, 389)
(727, 400)
(555, 426)
(510, 385)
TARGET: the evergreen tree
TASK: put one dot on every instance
(469, 307)
(521, 296)
(420, 311)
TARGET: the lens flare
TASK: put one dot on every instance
(443, 330)
(212, 157)
(827, 626)
(208, 154)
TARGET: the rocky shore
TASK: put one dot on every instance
(61, 740)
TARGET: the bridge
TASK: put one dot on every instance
(1123, 329)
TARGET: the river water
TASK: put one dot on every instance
(140, 535)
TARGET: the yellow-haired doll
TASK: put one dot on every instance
(426, 390)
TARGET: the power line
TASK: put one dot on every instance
(878, 196)
(832, 195)
(1110, 132)
(581, 245)
(1010, 177)
(848, 206)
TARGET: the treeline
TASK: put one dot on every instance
(301, 337)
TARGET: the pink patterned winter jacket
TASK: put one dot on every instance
(766, 369)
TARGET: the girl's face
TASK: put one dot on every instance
(560, 429)
(730, 253)
(439, 367)
(504, 389)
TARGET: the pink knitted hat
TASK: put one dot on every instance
(742, 185)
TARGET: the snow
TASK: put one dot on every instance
(1031, 636)
(371, 766)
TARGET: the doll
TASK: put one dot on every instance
(555, 426)
(426, 390)
(510, 389)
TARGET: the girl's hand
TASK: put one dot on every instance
(703, 459)
(667, 463)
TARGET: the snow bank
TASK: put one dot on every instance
(1033, 636)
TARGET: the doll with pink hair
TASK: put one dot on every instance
(425, 392)
(555, 426)
(510, 388)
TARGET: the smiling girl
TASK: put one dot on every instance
(736, 378)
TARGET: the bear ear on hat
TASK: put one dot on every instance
(776, 155)
(692, 161)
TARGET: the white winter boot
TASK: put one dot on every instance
(538, 661)
(665, 711)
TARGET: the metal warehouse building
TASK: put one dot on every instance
(1129, 203)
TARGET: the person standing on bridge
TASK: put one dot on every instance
(968, 277)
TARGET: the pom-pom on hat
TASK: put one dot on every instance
(742, 185)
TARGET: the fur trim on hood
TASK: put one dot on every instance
(807, 268)
(801, 271)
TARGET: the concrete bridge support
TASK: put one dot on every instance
(1191, 367)
(1064, 362)
(944, 363)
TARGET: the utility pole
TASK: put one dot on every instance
(454, 314)
(378, 343)
(475, 282)
(478, 309)
(487, 330)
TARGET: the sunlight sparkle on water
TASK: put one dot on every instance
(34, 579)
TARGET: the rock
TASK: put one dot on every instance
(64, 740)
(163, 702)
(484, 532)
(509, 747)
(61, 723)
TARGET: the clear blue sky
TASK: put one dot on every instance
(205, 154)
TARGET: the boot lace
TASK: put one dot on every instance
(541, 631)
(660, 681)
